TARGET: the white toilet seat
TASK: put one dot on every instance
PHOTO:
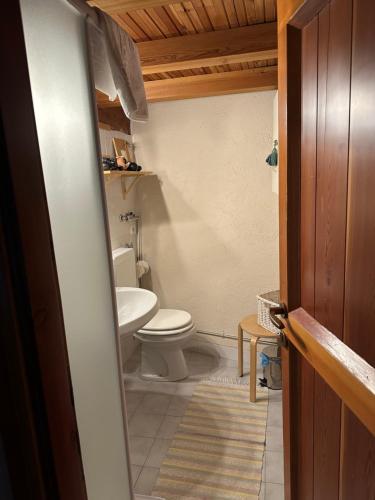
(168, 320)
(159, 333)
(165, 337)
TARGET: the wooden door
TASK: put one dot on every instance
(327, 246)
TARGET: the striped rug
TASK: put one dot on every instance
(217, 451)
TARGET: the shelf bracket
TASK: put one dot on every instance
(127, 187)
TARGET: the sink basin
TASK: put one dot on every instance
(135, 308)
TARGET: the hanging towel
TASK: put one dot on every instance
(142, 267)
(126, 69)
(99, 60)
(272, 158)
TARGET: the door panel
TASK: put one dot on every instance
(329, 454)
(309, 83)
(358, 468)
(334, 46)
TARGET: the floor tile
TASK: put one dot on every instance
(262, 493)
(163, 387)
(136, 384)
(275, 413)
(132, 399)
(143, 424)
(197, 358)
(274, 491)
(274, 470)
(201, 365)
(230, 363)
(157, 453)
(146, 480)
(139, 449)
(157, 408)
(177, 405)
(136, 469)
(275, 395)
(155, 403)
(228, 372)
(185, 388)
(168, 427)
(264, 468)
(274, 438)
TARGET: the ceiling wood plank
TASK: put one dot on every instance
(241, 12)
(127, 24)
(231, 13)
(194, 18)
(259, 10)
(179, 13)
(163, 21)
(239, 45)
(250, 11)
(216, 13)
(116, 6)
(269, 10)
(246, 10)
(202, 14)
(141, 18)
(188, 87)
(113, 117)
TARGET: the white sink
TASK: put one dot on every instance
(135, 308)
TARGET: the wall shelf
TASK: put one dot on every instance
(128, 179)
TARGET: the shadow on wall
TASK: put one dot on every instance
(163, 246)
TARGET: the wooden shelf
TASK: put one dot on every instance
(114, 174)
(133, 177)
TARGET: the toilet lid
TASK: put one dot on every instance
(168, 319)
(165, 333)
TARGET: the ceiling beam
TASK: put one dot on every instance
(188, 87)
(115, 6)
(231, 82)
(113, 117)
(247, 44)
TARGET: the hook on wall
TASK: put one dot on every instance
(273, 157)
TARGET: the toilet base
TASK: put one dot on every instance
(162, 358)
(163, 365)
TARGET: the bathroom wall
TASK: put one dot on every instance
(275, 127)
(210, 217)
(120, 231)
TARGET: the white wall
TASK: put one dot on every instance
(56, 51)
(210, 219)
(120, 231)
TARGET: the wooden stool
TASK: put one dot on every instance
(249, 325)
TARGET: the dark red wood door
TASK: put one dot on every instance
(331, 454)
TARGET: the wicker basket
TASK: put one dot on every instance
(265, 301)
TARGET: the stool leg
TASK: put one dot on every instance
(240, 351)
(253, 368)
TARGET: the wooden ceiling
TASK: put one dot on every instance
(200, 47)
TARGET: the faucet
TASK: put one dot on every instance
(128, 217)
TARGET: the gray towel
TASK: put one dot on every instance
(126, 69)
(99, 60)
(114, 51)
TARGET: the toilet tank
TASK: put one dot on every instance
(124, 267)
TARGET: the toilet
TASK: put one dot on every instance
(163, 338)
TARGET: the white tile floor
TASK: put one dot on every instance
(155, 409)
